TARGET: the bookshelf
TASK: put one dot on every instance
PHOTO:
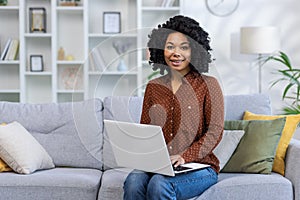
(79, 31)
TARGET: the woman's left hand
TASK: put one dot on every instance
(177, 160)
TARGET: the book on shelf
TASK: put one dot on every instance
(97, 62)
(5, 50)
(12, 50)
(167, 3)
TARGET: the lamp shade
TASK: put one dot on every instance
(259, 40)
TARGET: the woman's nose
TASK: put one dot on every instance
(176, 53)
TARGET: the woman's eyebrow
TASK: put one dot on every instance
(183, 43)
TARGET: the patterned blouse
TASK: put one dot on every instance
(192, 119)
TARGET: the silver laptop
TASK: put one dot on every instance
(142, 147)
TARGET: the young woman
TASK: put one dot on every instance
(187, 104)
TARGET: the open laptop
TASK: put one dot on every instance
(142, 147)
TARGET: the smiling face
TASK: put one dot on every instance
(177, 52)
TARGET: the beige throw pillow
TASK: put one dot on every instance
(21, 151)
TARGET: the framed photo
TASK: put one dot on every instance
(36, 63)
(111, 22)
(37, 20)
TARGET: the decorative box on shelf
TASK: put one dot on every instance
(69, 2)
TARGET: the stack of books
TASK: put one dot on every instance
(10, 50)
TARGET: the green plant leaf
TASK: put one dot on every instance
(285, 59)
(286, 89)
(291, 110)
(290, 76)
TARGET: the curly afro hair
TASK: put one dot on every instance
(198, 38)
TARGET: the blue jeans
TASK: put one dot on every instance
(141, 185)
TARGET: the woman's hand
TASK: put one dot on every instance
(177, 160)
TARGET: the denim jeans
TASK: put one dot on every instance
(142, 185)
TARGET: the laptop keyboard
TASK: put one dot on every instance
(180, 168)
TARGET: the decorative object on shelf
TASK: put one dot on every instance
(3, 2)
(121, 47)
(37, 20)
(69, 2)
(72, 78)
(61, 54)
(36, 63)
(70, 57)
(222, 8)
(259, 40)
(291, 76)
(111, 22)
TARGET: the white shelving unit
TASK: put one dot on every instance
(79, 31)
(105, 79)
(9, 70)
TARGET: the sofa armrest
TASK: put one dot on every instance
(292, 166)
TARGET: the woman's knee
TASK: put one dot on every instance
(136, 180)
(159, 187)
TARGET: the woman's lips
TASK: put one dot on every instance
(176, 62)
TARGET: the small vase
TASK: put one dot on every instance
(122, 66)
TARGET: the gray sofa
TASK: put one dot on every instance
(74, 136)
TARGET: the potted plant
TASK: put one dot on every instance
(290, 76)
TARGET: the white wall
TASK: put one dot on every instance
(238, 72)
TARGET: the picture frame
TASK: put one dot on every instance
(111, 22)
(36, 63)
(37, 20)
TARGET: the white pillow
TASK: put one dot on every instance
(227, 145)
(21, 151)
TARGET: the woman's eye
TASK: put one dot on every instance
(169, 47)
(185, 47)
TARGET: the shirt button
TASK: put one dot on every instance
(171, 147)
(189, 107)
(171, 134)
(171, 121)
(172, 108)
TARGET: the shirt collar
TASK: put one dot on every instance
(186, 78)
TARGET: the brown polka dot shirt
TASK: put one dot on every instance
(192, 119)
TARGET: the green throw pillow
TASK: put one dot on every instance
(256, 150)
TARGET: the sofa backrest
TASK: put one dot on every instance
(129, 109)
(236, 105)
(72, 133)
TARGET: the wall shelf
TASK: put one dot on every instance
(79, 31)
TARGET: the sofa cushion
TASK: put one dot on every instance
(291, 124)
(70, 132)
(112, 183)
(249, 186)
(58, 183)
(20, 150)
(227, 145)
(256, 150)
